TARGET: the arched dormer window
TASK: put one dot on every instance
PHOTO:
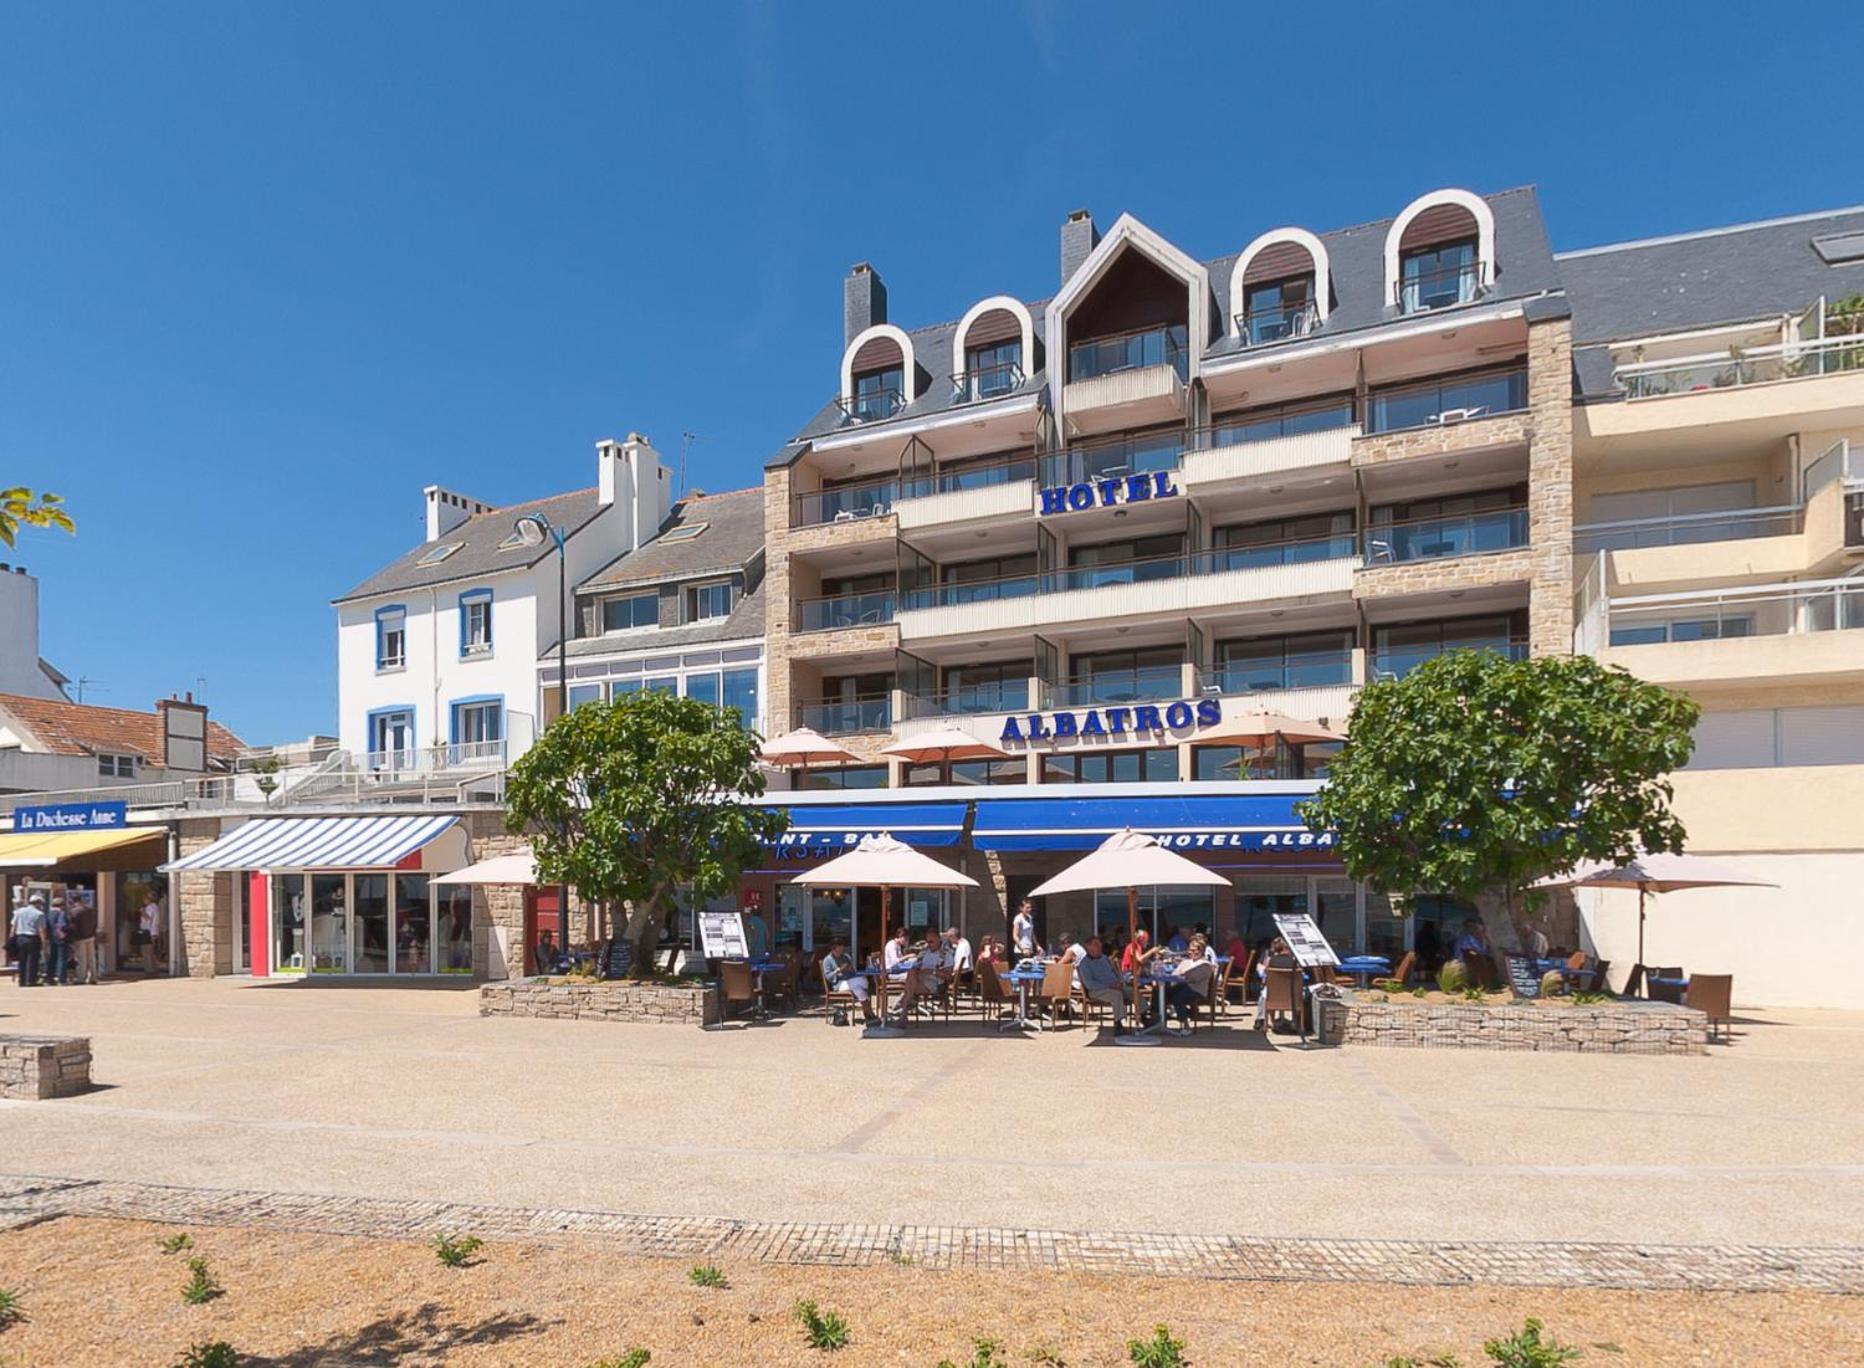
(993, 350)
(1280, 286)
(1440, 251)
(878, 375)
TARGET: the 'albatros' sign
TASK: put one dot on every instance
(1121, 721)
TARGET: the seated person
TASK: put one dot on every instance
(1472, 948)
(1179, 942)
(1191, 980)
(1237, 951)
(1099, 980)
(1070, 949)
(1278, 957)
(838, 972)
(547, 953)
(962, 959)
(1139, 953)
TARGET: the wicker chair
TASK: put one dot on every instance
(737, 987)
(1712, 994)
(1286, 993)
(1057, 989)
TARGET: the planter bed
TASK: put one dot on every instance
(658, 1003)
(1556, 1025)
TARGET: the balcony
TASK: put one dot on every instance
(1146, 684)
(1296, 670)
(1112, 458)
(967, 492)
(848, 716)
(870, 608)
(1277, 322)
(1134, 377)
(871, 406)
(986, 382)
(845, 503)
(1468, 534)
(1226, 451)
(1440, 403)
(1441, 289)
(1737, 367)
(1802, 632)
(1396, 662)
(970, 700)
(1687, 529)
(1137, 350)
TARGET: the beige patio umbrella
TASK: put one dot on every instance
(1129, 859)
(519, 867)
(803, 746)
(1658, 873)
(884, 863)
(943, 746)
(1259, 729)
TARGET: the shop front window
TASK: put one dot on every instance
(1260, 900)
(371, 924)
(288, 924)
(1384, 928)
(1336, 912)
(452, 951)
(329, 924)
(1161, 911)
(413, 943)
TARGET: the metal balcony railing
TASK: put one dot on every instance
(418, 760)
(1278, 321)
(845, 503)
(968, 700)
(1840, 461)
(978, 475)
(1294, 551)
(1296, 670)
(867, 609)
(1831, 605)
(1135, 350)
(987, 382)
(1421, 291)
(848, 716)
(1467, 534)
(1112, 458)
(1234, 432)
(1147, 684)
(870, 406)
(1685, 529)
(1742, 366)
(1435, 403)
(1396, 662)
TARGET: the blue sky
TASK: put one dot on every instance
(267, 270)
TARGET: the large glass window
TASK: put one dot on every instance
(703, 687)
(1161, 911)
(1287, 541)
(973, 772)
(842, 777)
(288, 924)
(1134, 561)
(372, 934)
(1285, 420)
(995, 686)
(741, 693)
(412, 932)
(478, 728)
(1306, 660)
(1454, 525)
(1435, 277)
(330, 929)
(1155, 766)
(452, 951)
(637, 610)
(1260, 899)
(1398, 650)
(1148, 673)
(584, 693)
(1441, 401)
(707, 601)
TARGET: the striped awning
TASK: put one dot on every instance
(318, 843)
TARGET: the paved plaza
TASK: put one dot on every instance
(407, 1095)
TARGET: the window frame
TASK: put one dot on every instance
(391, 618)
(652, 597)
(474, 646)
(695, 595)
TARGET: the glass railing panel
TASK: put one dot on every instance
(1395, 662)
(1440, 538)
(1144, 685)
(845, 610)
(843, 716)
(846, 503)
(1302, 670)
(1686, 529)
(1129, 351)
(1276, 322)
(1439, 289)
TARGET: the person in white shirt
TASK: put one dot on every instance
(1023, 932)
(1533, 940)
(962, 960)
(1071, 950)
(148, 930)
(838, 972)
(899, 955)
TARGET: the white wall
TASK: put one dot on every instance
(19, 637)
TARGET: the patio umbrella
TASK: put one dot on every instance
(1659, 873)
(1129, 859)
(884, 863)
(943, 746)
(803, 747)
(1261, 730)
(519, 867)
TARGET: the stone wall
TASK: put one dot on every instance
(1446, 439)
(35, 1067)
(204, 903)
(1610, 1028)
(646, 1002)
(1550, 486)
(1444, 576)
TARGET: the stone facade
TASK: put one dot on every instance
(1550, 486)
(37, 1067)
(1450, 439)
(1610, 1028)
(640, 1002)
(204, 903)
(1445, 576)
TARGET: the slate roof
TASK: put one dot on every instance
(65, 728)
(733, 536)
(746, 620)
(479, 554)
(1356, 258)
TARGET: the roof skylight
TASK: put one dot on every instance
(439, 553)
(685, 533)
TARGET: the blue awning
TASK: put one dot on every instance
(817, 828)
(1194, 822)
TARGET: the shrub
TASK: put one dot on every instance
(1525, 1349)
(1552, 983)
(984, 1356)
(12, 1309)
(824, 1330)
(209, 1354)
(1161, 1351)
(1475, 993)
(1453, 977)
(636, 1357)
(201, 1286)
(455, 1251)
(705, 1275)
(1590, 998)
(174, 1244)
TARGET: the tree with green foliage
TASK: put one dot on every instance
(632, 800)
(1475, 772)
(20, 507)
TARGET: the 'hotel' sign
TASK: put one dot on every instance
(1115, 489)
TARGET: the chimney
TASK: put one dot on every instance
(184, 733)
(20, 671)
(631, 478)
(1079, 237)
(447, 510)
(863, 301)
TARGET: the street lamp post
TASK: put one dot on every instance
(532, 529)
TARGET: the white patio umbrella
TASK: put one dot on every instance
(943, 746)
(884, 863)
(1264, 729)
(1131, 860)
(519, 867)
(804, 746)
(1658, 873)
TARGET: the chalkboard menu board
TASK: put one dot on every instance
(617, 958)
(1306, 943)
(1523, 977)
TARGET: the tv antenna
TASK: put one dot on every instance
(85, 682)
(686, 445)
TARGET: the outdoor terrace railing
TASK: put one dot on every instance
(1840, 461)
(1147, 684)
(1300, 670)
(845, 503)
(1135, 350)
(1807, 606)
(1742, 366)
(979, 475)
(1272, 324)
(987, 382)
(848, 716)
(870, 406)
(1110, 458)
(1234, 432)
(1425, 290)
(969, 700)
(1398, 661)
(416, 760)
(869, 608)
(1432, 403)
(1293, 551)
(1467, 534)
(1684, 529)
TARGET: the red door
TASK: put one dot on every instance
(542, 912)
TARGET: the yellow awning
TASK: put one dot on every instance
(41, 850)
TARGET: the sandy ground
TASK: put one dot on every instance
(103, 1293)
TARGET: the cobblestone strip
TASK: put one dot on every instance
(1636, 1267)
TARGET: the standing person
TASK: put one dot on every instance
(58, 942)
(1023, 931)
(84, 941)
(148, 929)
(29, 938)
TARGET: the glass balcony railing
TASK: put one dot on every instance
(968, 700)
(1112, 459)
(1738, 366)
(870, 406)
(1687, 529)
(1147, 684)
(1278, 321)
(1755, 610)
(958, 592)
(1161, 346)
(1467, 534)
(845, 503)
(867, 609)
(1395, 662)
(1295, 670)
(1420, 291)
(987, 382)
(847, 716)
(975, 475)
(1298, 551)
(1456, 400)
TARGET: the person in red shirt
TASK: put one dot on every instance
(1138, 951)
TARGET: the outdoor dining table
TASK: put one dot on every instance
(1365, 967)
(1023, 978)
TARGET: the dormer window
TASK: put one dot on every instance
(705, 602)
(877, 394)
(1437, 277)
(1440, 252)
(625, 614)
(877, 375)
(116, 766)
(1278, 309)
(993, 370)
(992, 350)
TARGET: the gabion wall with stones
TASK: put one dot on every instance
(696, 1006)
(36, 1067)
(1626, 1028)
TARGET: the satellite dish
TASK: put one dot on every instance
(530, 531)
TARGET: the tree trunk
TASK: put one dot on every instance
(645, 918)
